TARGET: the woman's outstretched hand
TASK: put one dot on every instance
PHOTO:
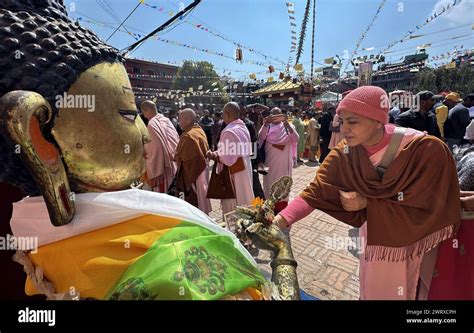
(280, 222)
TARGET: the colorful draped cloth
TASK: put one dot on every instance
(137, 245)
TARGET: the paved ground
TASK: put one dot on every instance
(323, 271)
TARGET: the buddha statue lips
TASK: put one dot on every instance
(68, 119)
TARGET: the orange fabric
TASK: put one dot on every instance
(91, 263)
(46, 151)
(237, 166)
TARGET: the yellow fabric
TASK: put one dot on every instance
(441, 116)
(92, 262)
(255, 294)
(249, 294)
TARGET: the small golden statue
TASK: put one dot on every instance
(254, 225)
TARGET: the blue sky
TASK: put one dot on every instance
(265, 26)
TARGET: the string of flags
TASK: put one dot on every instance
(372, 58)
(225, 70)
(446, 55)
(221, 54)
(401, 68)
(177, 94)
(362, 36)
(151, 76)
(291, 16)
(456, 52)
(239, 54)
(427, 45)
(214, 33)
(409, 34)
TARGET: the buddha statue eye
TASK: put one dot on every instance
(130, 115)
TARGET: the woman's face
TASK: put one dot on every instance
(360, 130)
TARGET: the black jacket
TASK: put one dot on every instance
(325, 122)
(415, 120)
(458, 120)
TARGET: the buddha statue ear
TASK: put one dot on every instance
(23, 118)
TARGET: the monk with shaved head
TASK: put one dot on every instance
(233, 154)
(192, 178)
(159, 153)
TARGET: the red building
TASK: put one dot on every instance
(151, 80)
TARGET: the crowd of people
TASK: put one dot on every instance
(184, 149)
(271, 141)
(377, 170)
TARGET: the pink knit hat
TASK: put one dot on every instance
(368, 101)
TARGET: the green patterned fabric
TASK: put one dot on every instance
(189, 262)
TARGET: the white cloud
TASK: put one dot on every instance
(460, 14)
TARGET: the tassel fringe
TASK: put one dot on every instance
(398, 254)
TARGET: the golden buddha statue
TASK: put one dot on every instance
(71, 139)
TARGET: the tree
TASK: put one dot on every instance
(460, 80)
(193, 74)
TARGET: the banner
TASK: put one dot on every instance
(365, 74)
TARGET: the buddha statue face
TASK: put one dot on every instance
(68, 119)
(99, 132)
(93, 143)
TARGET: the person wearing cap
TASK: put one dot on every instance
(402, 215)
(422, 116)
(458, 119)
(441, 111)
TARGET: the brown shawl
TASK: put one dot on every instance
(423, 175)
(191, 160)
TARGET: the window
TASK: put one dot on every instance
(136, 70)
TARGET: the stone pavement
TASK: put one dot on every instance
(324, 271)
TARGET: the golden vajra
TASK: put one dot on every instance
(251, 219)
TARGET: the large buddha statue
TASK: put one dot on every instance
(71, 143)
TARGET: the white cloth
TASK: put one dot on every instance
(200, 187)
(470, 131)
(98, 210)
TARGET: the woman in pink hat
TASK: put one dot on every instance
(397, 185)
